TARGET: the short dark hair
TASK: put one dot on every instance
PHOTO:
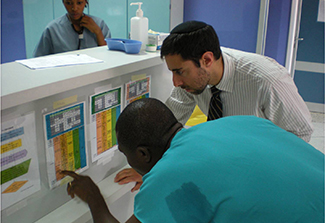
(87, 3)
(143, 123)
(191, 40)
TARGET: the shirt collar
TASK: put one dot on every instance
(227, 81)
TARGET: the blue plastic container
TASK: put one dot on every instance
(126, 45)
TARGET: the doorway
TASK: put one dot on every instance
(305, 53)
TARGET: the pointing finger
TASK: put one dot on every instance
(71, 174)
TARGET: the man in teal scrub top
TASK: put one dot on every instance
(234, 169)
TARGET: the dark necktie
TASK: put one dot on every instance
(215, 108)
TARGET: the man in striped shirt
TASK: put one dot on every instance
(250, 84)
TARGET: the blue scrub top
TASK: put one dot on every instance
(59, 36)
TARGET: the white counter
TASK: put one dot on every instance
(20, 84)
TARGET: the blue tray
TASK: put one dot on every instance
(126, 45)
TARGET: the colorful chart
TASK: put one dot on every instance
(105, 109)
(135, 90)
(66, 143)
(19, 162)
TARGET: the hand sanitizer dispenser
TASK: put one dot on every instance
(139, 26)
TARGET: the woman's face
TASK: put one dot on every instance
(75, 8)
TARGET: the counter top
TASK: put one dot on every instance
(20, 84)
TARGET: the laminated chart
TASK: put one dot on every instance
(105, 110)
(65, 142)
(135, 90)
(20, 176)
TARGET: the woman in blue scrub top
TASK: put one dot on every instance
(72, 31)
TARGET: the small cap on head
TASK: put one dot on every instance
(187, 27)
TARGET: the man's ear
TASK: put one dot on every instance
(143, 154)
(207, 59)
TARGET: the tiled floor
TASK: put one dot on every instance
(317, 138)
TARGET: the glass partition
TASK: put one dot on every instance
(32, 16)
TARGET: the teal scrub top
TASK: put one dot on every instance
(234, 169)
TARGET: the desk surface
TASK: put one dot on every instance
(20, 84)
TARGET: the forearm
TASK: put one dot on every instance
(100, 38)
(181, 105)
(100, 211)
(85, 188)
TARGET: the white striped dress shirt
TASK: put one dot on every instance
(251, 85)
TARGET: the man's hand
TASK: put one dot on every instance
(129, 175)
(85, 188)
(82, 186)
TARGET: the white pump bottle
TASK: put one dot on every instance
(139, 26)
